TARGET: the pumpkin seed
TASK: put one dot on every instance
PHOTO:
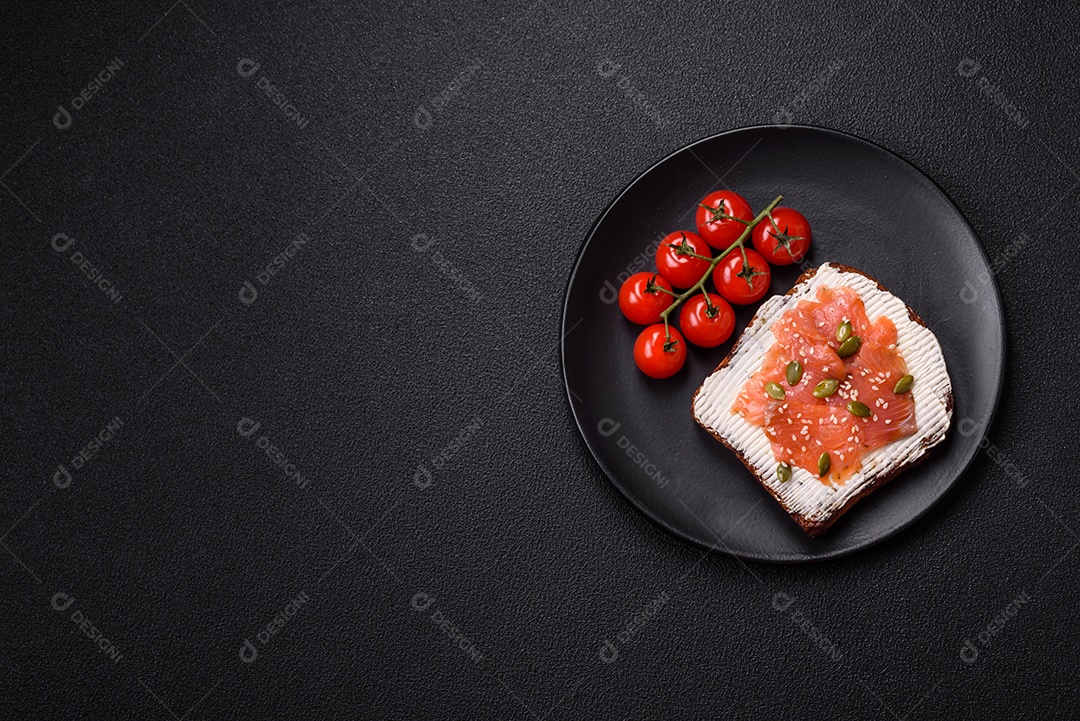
(783, 473)
(824, 462)
(775, 390)
(843, 331)
(904, 384)
(849, 346)
(794, 373)
(856, 408)
(826, 388)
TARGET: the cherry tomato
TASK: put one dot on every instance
(680, 269)
(742, 285)
(719, 232)
(784, 238)
(639, 299)
(655, 355)
(707, 325)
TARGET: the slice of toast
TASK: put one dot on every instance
(812, 504)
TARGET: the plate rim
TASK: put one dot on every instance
(722, 547)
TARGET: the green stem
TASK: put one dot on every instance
(720, 215)
(700, 285)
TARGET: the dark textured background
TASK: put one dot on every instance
(362, 360)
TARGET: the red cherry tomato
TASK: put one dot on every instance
(681, 269)
(639, 299)
(707, 325)
(739, 284)
(719, 232)
(784, 238)
(656, 356)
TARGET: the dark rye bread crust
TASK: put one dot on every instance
(816, 528)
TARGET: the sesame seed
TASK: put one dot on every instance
(884, 405)
(875, 416)
(874, 388)
(888, 421)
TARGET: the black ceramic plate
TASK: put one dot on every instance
(869, 209)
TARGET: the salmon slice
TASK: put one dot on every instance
(801, 427)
